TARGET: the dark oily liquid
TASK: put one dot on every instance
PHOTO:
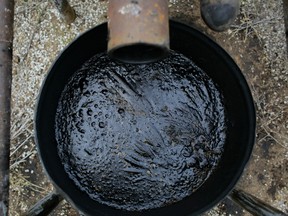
(138, 137)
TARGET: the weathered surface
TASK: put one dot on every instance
(6, 37)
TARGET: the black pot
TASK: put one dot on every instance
(208, 56)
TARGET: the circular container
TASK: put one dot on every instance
(208, 56)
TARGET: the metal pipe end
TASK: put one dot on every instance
(138, 30)
(139, 53)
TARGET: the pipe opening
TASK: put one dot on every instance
(139, 53)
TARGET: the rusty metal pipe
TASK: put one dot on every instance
(138, 30)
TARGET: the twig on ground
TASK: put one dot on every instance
(20, 130)
(29, 153)
(249, 23)
(21, 144)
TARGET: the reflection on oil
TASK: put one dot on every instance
(138, 137)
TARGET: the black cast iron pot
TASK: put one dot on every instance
(208, 56)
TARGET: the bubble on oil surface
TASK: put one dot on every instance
(137, 137)
(101, 124)
(121, 111)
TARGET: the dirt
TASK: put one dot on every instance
(257, 42)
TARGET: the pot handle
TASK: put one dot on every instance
(46, 205)
(254, 205)
(250, 203)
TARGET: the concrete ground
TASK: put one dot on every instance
(257, 42)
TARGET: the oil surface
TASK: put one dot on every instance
(138, 137)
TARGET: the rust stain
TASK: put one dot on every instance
(138, 23)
